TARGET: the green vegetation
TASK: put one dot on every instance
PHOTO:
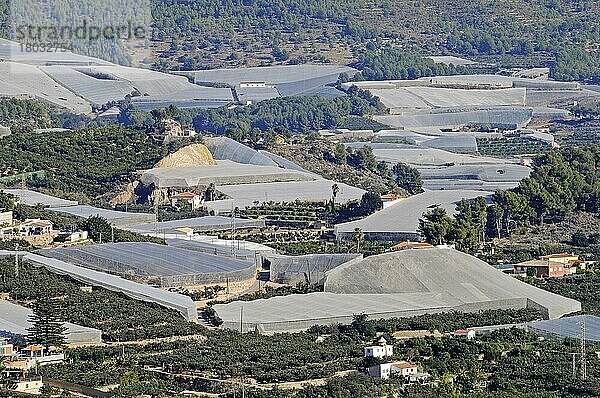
(297, 114)
(408, 178)
(269, 291)
(510, 146)
(367, 248)
(118, 317)
(442, 322)
(25, 115)
(563, 182)
(357, 168)
(89, 162)
(389, 63)
(589, 109)
(264, 120)
(100, 230)
(201, 34)
(560, 34)
(439, 228)
(281, 357)
(47, 329)
(312, 354)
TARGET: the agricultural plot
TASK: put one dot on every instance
(138, 291)
(316, 190)
(94, 90)
(413, 98)
(401, 221)
(225, 172)
(503, 117)
(166, 266)
(22, 80)
(399, 284)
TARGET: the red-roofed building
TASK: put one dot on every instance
(391, 199)
(410, 245)
(406, 370)
(542, 268)
(568, 260)
(192, 198)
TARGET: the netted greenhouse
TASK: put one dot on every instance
(161, 265)
(398, 284)
(309, 268)
(138, 291)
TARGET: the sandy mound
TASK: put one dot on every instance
(191, 155)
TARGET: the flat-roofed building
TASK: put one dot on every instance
(380, 350)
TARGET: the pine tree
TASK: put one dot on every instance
(48, 327)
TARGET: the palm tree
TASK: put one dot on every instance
(335, 189)
(358, 236)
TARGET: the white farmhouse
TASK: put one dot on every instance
(382, 349)
(403, 369)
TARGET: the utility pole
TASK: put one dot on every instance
(583, 349)
(233, 229)
(156, 215)
(16, 260)
(242, 319)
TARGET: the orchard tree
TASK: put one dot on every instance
(99, 229)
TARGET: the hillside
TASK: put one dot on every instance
(510, 33)
(201, 34)
(318, 157)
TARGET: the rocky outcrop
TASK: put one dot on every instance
(167, 128)
(126, 196)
